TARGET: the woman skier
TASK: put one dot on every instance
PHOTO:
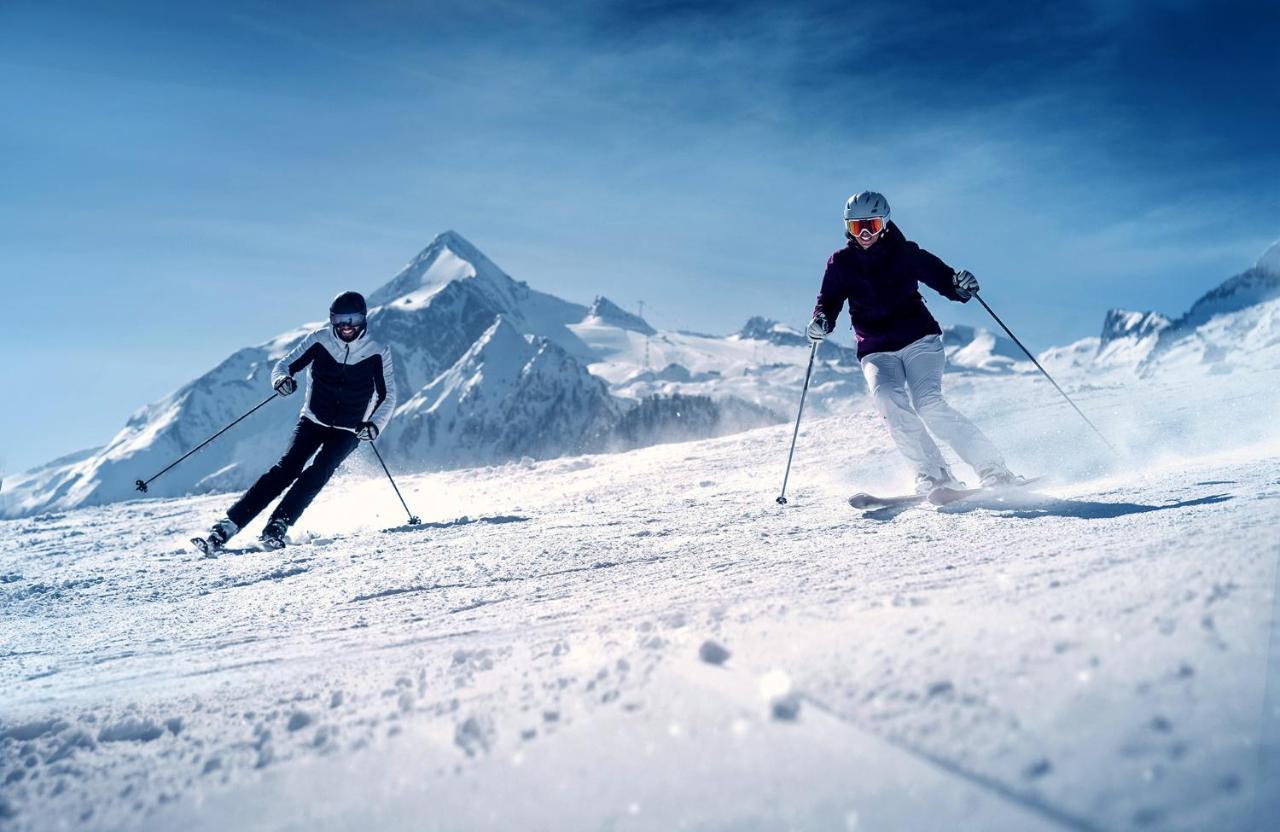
(900, 344)
(351, 392)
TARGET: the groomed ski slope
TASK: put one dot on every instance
(1093, 656)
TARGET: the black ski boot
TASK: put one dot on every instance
(218, 537)
(273, 536)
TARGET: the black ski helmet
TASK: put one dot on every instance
(349, 305)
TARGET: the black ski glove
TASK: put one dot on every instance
(286, 386)
(367, 431)
(966, 285)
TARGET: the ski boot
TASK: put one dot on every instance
(1000, 477)
(218, 537)
(273, 536)
(925, 483)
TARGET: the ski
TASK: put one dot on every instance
(943, 495)
(863, 500)
(204, 547)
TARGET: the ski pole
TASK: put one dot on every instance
(996, 317)
(413, 518)
(782, 497)
(141, 485)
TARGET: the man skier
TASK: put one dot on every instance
(351, 392)
(900, 344)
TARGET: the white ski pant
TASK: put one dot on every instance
(907, 388)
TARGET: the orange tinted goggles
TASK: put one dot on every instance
(874, 225)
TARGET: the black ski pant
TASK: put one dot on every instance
(330, 447)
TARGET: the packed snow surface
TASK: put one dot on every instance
(647, 641)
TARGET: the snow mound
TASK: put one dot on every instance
(980, 351)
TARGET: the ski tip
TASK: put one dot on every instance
(863, 500)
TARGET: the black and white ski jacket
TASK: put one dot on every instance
(349, 383)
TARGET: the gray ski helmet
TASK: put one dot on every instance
(865, 205)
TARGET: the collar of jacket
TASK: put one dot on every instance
(360, 348)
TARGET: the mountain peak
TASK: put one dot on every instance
(453, 241)
(448, 257)
(1259, 284)
(606, 311)
(767, 329)
(1122, 323)
(1269, 262)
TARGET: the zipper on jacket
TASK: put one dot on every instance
(342, 376)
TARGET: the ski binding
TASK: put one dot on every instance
(944, 495)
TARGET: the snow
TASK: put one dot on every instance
(1093, 655)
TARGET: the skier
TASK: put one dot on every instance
(351, 392)
(900, 344)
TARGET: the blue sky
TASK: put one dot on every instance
(180, 180)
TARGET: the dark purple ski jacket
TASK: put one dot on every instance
(881, 285)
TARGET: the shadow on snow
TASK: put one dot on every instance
(1029, 507)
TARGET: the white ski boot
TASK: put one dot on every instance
(925, 483)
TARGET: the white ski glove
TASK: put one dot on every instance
(286, 386)
(817, 330)
(965, 283)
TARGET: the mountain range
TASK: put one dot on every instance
(490, 370)
(1234, 326)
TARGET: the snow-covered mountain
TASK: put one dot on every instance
(452, 264)
(605, 313)
(1231, 325)
(510, 395)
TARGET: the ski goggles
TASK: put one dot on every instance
(871, 225)
(354, 319)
